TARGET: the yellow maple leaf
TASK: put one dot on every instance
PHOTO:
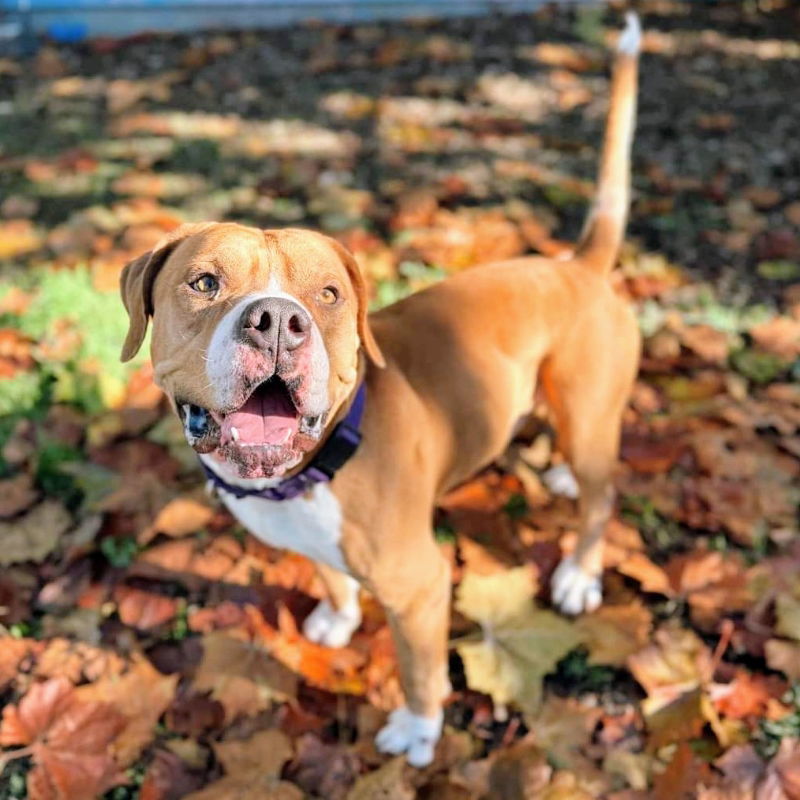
(520, 643)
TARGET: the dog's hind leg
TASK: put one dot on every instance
(588, 397)
(335, 618)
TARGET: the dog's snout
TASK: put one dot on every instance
(275, 323)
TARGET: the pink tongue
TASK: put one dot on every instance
(268, 417)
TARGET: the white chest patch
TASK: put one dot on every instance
(310, 525)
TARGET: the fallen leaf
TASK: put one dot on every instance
(388, 783)
(674, 670)
(747, 695)
(783, 656)
(709, 343)
(684, 773)
(35, 535)
(787, 613)
(612, 633)
(12, 653)
(252, 768)
(241, 674)
(561, 728)
(323, 770)
(18, 236)
(70, 741)
(62, 657)
(180, 517)
(333, 669)
(782, 779)
(141, 695)
(714, 583)
(779, 335)
(144, 610)
(520, 644)
(15, 352)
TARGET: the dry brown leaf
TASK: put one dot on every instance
(252, 770)
(709, 343)
(15, 352)
(782, 779)
(180, 517)
(144, 610)
(63, 657)
(779, 335)
(674, 670)
(35, 535)
(783, 656)
(562, 727)
(747, 695)
(18, 236)
(12, 652)
(387, 783)
(141, 695)
(650, 576)
(70, 740)
(241, 674)
(612, 633)
(713, 582)
(684, 773)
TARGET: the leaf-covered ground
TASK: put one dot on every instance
(149, 647)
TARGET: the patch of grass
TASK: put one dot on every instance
(444, 533)
(13, 779)
(193, 155)
(91, 375)
(516, 507)
(759, 367)
(575, 673)
(180, 625)
(51, 457)
(770, 732)
(661, 534)
(27, 629)
(120, 552)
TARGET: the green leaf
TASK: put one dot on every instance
(779, 270)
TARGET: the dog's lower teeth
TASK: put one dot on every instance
(235, 434)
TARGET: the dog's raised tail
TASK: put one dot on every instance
(605, 226)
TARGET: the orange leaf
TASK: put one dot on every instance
(143, 610)
(70, 740)
(180, 517)
(683, 775)
(141, 696)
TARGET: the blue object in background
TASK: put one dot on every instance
(74, 20)
(68, 31)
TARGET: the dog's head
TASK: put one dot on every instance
(255, 338)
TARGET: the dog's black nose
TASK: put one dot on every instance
(274, 324)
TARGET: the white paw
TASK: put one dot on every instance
(325, 625)
(560, 480)
(574, 590)
(412, 734)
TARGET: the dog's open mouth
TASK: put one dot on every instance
(263, 438)
(268, 418)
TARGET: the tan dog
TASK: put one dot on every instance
(261, 338)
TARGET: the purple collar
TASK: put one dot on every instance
(338, 448)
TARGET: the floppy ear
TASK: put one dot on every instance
(357, 279)
(136, 286)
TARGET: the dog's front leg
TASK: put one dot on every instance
(417, 602)
(335, 618)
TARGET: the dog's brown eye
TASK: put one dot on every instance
(205, 284)
(329, 295)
